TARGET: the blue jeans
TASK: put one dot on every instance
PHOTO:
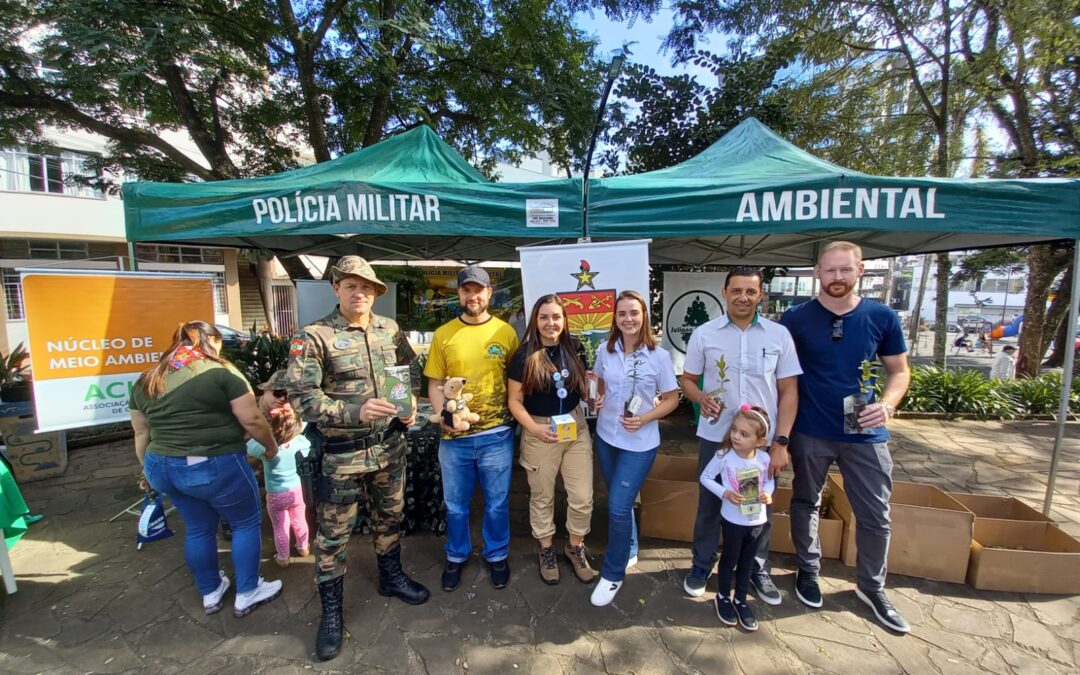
(486, 458)
(624, 472)
(204, 493)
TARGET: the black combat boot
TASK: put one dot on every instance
(331, 629)
(393, 582)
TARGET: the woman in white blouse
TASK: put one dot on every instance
(632, 371)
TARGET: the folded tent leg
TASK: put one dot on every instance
(5, 568)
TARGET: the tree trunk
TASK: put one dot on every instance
(264, 273)
(1057, 322)
(916, 313)
(387, 78)
(941, 314)
(1041, 273)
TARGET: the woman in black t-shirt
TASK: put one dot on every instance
(547, 377)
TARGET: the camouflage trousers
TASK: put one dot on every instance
(344, 483)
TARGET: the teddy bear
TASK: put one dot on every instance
(456, 413)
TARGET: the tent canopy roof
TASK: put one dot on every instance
(754, 198)
(409, 196)
(750, 198)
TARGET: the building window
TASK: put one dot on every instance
(58, 249)
(180, 254)
(63, 173)
(13, 294)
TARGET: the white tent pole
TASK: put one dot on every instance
(1067, 378)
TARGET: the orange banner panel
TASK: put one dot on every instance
(83, 325)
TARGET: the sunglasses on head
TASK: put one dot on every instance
(280, 393)
(837, 332)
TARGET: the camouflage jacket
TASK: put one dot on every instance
(334, 367)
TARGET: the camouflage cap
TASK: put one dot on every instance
(355, 266)
(276, 381)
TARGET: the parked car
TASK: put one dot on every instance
(952, 328)
(230, 337)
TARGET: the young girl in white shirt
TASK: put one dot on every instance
(739, 475)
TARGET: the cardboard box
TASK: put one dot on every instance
(989, 507)
(830, 528)
(33, 456)
(1037, 558)
(669, 498)
(931, 531)
(565, 427)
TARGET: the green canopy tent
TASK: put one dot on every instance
(409, 196)
(753, 198)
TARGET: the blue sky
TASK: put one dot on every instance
(644, 39)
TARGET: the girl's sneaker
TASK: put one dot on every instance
(746, 617)
(282, 562)
(264, 592)
(304, 552)
(725, 611)
(211, 602)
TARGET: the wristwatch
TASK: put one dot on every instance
(782, 440)
(890, 411)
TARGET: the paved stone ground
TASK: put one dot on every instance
(88, 601)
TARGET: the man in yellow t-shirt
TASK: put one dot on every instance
(476, 346)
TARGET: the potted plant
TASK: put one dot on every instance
(15, 382)
(720, 393)
(632, 405)
(856, 403)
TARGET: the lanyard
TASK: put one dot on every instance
(560, 378)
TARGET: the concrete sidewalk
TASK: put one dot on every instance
(88, 601)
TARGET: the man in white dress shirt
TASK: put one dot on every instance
(745, 358)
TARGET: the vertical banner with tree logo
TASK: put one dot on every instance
(92, 334)
(588, 277)
(690, 299)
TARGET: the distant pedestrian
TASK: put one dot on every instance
(1004, 367)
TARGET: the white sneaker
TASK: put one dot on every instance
(632, 562)
(605, 592)
(211, 602)
(264, 592)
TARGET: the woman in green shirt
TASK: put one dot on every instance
(190, 413)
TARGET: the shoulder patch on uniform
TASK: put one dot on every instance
(296, 346)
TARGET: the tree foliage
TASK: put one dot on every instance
(251, 81)
(892, 88)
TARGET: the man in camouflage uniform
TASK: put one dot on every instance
(335, 379)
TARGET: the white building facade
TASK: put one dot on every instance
(49, 217)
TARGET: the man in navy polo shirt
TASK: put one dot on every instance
(834, 333)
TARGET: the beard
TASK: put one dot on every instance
(468, 310)
(839, 289)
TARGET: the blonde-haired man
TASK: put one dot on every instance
(834, 334)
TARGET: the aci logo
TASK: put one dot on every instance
(690, 310)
